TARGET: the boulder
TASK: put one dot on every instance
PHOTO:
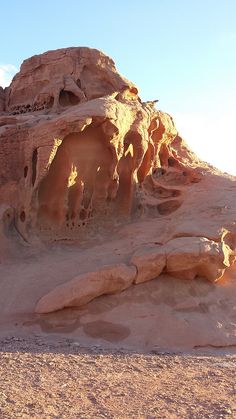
(150, 261)
(188, 257)
(85, 287)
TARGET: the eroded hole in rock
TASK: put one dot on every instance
(79, 177)
(34, 165)
(83, 214)
(158, 172)
(67, 98)
(25, 171)
(87, 182)
(160, 192)
(134, 90)
(168, 207)
(22, 216)
(166, 193)
(171, 162)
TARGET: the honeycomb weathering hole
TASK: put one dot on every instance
(34, 165)
(25, 171)
(67, 98)
(86, 176)
(79, 176)
(168, 207)
(22, 216)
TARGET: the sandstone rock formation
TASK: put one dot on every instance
(83, 160)
(2, 100)
(183, 257)
(62, 78)
(85, 287)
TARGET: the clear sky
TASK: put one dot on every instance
(182, 52)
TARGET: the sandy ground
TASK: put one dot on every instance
(138, 354)
(60, 379)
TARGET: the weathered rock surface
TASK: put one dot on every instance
(150, 261)
(188, 257)
(89, 176)
(2, 99)
(183, 257)
(86, 287)
(81, 163)
(62, 78)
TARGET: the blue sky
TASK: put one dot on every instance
(180, 52)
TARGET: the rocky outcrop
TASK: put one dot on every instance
(2, 100)
(57, 79)
(80, 163)
(86, 287)
(83, 158)
(182, 257)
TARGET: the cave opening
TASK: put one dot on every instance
(34, 165)
(67, 98)
(25, 171)
(79, 177)
(22, 216)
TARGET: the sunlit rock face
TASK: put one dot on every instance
(63, 78)
(81, 154)
(81, 149)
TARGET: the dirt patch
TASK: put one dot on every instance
(61, 379)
